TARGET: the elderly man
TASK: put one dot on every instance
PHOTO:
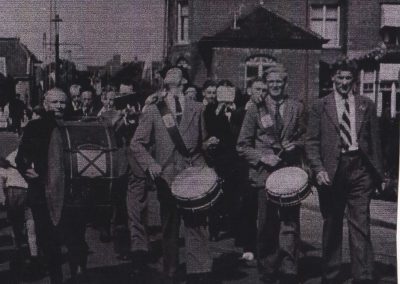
(268, 128)
(31, 161)
(344, 151)
(168, 160)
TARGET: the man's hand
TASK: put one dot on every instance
(31, 174)
(323, 178)
(270, 160)
(154, 171)
(256, 99)
(212, 142)
(288, 146)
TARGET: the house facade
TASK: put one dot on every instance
(18, 61)
(367, 31)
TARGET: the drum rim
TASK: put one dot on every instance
(298, 201)
(207, 206)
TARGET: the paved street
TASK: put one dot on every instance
(104, 267)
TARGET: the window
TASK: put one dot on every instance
(391, 37)
(3, 66)
(256, 66)
(324, 20)
(183, 22)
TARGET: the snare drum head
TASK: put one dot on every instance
(286, 181)
(194, 182)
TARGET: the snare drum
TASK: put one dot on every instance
(196, 188)
(287, 186)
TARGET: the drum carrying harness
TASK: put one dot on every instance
(172, 128)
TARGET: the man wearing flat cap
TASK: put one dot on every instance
(165, 161)
(271, 127)
(344, 151)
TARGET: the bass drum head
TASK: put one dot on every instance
(55, 184)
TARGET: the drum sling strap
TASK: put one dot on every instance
(172, 128)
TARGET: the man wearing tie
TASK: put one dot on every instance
(173, 110)
(344, 152)
(274, 125)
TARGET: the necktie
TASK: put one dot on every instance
(178, 110)
(345, 126)
(278, 119)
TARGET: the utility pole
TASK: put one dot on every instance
(56, 21)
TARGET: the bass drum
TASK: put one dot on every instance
(82, 156)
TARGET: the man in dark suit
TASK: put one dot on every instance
(272, 126)
(165, 164)
(344, 151)
(88, 107)
(74, 100)
(32, 161)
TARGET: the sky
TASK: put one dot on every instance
(93, 30)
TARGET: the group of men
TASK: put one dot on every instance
(340, 143)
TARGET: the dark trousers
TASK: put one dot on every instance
(48, 240)
(352, 187)
(198, 256)
(247, 225)
(70, 231)
(73, 230)
(278, 236)
(136, 203)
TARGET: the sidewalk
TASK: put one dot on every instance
(383, 213)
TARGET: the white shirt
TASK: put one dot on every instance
(4, 116)
(10, 176)
(340, 109)
(170, 99)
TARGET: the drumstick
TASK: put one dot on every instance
(295, 135)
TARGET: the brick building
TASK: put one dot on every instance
(366, 30)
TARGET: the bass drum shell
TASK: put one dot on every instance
(82, 161)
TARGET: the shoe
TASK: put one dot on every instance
(248, 256)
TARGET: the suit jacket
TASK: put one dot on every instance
(323, 136)
(93, 111)
(152, 133)
(258, 137)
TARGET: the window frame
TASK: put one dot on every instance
(262, 62)
(324, 19)
(182, 32)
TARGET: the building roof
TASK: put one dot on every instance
(263, 28)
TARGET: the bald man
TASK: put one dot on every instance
(32, 163)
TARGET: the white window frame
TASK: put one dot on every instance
(262, 62)
(182, 33)
(328, 44)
